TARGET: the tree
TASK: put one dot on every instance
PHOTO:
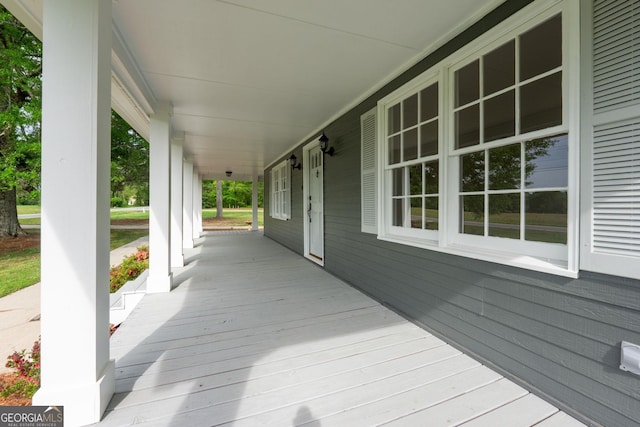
(208, 194)
(238, 194)
(232, 194)
(20, 112)
(504, 173)
(129, 163)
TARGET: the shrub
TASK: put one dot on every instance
(117, 202)
(130, 268)
(28, 198)
(27, 367)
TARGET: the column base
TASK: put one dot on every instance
(177, 261)
(159, 283)
(83, 404)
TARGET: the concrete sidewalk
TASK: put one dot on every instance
(20, 311)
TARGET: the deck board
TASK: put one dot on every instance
(560, 419)
(472, 402)
(525, 411)
(256, 335)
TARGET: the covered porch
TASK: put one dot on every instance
(253, 333)
(237, 329)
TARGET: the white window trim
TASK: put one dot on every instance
(280, 201)
(416, 236)
(448, 239)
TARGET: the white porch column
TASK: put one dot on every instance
(187, 213)
(197, 204)
(254, 203)
(160, 278)
(76, 125)
(177, 254)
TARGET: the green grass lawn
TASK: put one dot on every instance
(29, 221)
(115, 215)
(232, 217)
(19, 269)
(122, 237)
(238, 217)
(28, 209)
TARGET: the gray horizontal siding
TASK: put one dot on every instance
(559, 336)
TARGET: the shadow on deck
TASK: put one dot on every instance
(254, 334)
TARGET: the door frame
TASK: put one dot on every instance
(305, 200)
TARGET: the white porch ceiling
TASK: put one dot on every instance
(250, 79)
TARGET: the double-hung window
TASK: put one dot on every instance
(509, 144)
(412, 163)
(478, 152)
(280, 200)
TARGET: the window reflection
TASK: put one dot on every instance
(394, 149)
(398, 182)
(431, 178)
(541, 48)
(431, 213)
(472, 172)
(547, 162)
(393, 120)
(398, 212)
(416, 209)
(410, 145)
(504, 168)
(410, 111)
(429, 139)
(504, 215)
(467, 83)
(546, 216)
(472, 217)
(541, 103)
(545, 170)
(415, 180)
(499, 68)
(500, 116)
(429, 103)
(415, 196)
(468, 126)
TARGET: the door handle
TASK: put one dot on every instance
(309, 212)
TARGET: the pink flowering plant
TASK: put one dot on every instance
(26, 365)
(130, 268)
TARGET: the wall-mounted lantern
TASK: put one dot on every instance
(293, 161)
(324, 144)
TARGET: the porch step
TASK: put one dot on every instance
(122, 302)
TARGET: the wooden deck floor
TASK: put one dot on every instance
(256, 335)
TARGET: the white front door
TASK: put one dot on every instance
(314, 218)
